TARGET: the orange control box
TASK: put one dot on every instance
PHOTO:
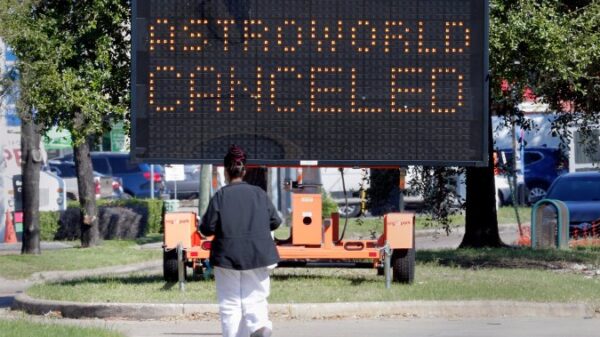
(307, 219)
(179, 227)
(399, 229)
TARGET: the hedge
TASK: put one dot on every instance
(118, 219)
(48, 225)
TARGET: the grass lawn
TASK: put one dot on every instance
(25, 328)
(110, 253)
(372, 227)
(495, 274)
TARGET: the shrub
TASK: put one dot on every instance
(328, 205)
(114, 222)
(117, 219)
(153, 207)
(48, 225)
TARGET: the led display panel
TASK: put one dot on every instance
(325, 82)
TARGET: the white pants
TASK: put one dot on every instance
(242, 296)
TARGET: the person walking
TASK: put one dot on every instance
(241, 217)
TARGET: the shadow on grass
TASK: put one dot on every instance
(141, 280)
(150, 238)
(354, 280)
(127, 280)
(509, 258)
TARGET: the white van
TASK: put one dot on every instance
(584, 156)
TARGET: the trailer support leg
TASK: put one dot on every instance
(180, 267)
(387, 269)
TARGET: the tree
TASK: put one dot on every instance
(84, 46)
(551, 48)
(16, 83)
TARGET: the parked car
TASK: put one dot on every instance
(580, 191)
(541, 166)
(189, 188)
(105, 186)
(135, 176)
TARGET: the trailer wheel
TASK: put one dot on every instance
(403, 265)
(170, 265)
(198, 272)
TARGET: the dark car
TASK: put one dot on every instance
(189, 188)
(580, 191)
(542, 166)
(135, 176)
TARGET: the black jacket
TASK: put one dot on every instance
(241, 217)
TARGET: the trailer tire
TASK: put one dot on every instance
(198, 272)
(403, 265)
(170, 266)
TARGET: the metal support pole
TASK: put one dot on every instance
(180, 267)
(387, 258)
(151, 181)
(175, 189)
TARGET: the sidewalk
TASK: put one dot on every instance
(15, 248)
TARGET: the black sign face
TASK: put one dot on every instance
(330, 82)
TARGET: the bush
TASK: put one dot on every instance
(48, 225)
(117, 219)
(153, 207)
(114, 222)
(328, 205)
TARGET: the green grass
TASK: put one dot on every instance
(487, 275)
(372, 227)
(109, 253)
(26, 328)
(506, 215)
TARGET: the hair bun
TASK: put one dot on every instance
(235, 155)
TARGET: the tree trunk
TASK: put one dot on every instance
(481, 221)
(30, 167)
(90, 235)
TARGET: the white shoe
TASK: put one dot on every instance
(262, 332)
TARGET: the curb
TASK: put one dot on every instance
(419, 309)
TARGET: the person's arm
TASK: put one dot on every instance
(274, 219)
(210, 218)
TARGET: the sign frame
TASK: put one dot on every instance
(139, 115)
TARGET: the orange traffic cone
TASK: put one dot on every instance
(10, 236)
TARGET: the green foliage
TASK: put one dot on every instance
(48, 225)
(49, 220)
(437, 186)
(551, 47)
(73, 59)
(328, 204)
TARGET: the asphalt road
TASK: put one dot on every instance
(386, 327)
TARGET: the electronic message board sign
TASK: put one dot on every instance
(327, 82)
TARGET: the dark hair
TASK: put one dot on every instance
(235, 162)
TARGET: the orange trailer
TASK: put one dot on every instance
(314, 242)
